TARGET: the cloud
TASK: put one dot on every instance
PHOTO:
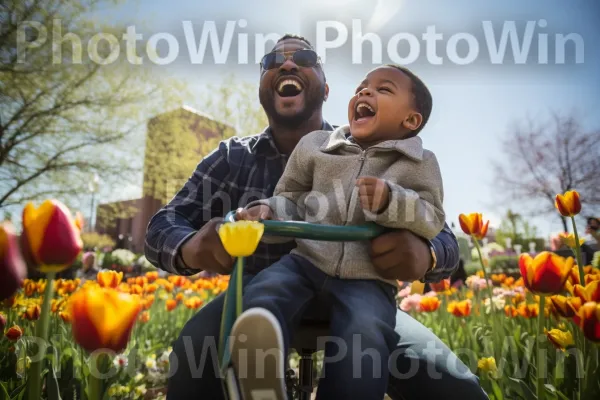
(383, 12)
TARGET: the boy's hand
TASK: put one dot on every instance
(255, 213)
(374, 193)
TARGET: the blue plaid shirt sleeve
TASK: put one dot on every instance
(192, 207)
(446, 251)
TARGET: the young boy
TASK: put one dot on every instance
(374, 169)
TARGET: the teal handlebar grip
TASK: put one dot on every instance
(330, 233)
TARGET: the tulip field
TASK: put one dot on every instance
(535, 335)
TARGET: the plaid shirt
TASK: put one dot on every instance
(239, 171)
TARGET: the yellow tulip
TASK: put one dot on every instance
(103, 318)
(241, 238)
(568, 204)
(487, 365)
(568, 239)
(560, 339)
(51, 238)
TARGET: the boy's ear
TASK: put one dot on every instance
(413, 121)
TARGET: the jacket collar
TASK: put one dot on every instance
(265, 140)
(412, 147)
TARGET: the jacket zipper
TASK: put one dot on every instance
(363, 157)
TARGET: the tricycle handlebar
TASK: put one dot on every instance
(305, 230)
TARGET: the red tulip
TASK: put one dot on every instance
(546, 273)
(568, 204)
(51, 238)
(589, 321)
(472, 224)
(12, 266)
(13, 334)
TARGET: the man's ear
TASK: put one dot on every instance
(413, 121)
(326, 92)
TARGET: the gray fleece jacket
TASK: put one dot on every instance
(319, 186)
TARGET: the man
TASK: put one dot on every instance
(182, 238)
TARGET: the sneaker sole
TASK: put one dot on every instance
(257, 356)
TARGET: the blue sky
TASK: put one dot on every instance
(474, 104)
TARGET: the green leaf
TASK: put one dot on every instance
(52, 385)
(521, 387)
(3, 392)
(497, 391)
(19, 391)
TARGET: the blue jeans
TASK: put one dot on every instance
(421, 365)
(362, 320)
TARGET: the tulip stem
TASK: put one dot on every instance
(97, 366)
(240, 273)
(34, 383)
(578, 253)
(488, 285)
(540, 360)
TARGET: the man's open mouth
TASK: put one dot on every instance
(289, 87)
(363, 111)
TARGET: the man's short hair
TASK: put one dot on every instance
(296, 37)
(423, 98)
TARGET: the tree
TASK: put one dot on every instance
(177, 140)
(549, 157)
(64, 117)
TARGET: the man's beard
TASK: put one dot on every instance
(313, 101)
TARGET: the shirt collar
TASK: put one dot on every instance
(265, 141)
(411, 147)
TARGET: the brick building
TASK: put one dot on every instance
(175, 143)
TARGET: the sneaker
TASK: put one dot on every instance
(257, 354)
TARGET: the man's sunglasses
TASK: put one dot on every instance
(302, 58)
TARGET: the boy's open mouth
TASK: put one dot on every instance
(289, 87)
(363, 112)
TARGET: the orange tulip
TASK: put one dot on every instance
(193, 303)
(109, 279)
(429, 303)
(566, 306)
(440, 286)
(13, 334)
(568, 204)
(546, 273)
(12, 266)
(2, 322)
(33, 312)
(65, 316)
(103, 318)
(145, 317)
(589, 321)
(472, 224)
(528, 310)
(460, 308)
(510, 311)
(171, 304)
(50, 240)
(152, 276)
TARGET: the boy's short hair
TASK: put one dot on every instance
(422, 95)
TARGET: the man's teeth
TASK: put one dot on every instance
(285, 82)
(361, 106)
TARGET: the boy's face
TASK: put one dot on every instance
(383, 107)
